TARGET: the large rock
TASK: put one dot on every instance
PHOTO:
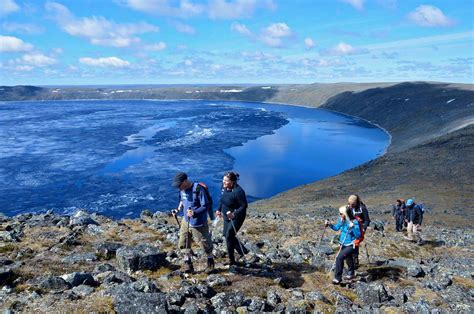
(108, 250)
(227, 301)
(54, 284)
(127, 300)
(141, 257)
(256, 304)
(415, 271)
(81, 218)
(371, 293)
(76, 279)
(6, 276)
(273, 298)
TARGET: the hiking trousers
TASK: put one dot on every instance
(346, 254)
(231, 240)
(399, 219)
(200, 234)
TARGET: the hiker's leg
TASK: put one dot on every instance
(349, 251)
(229, 240)
(183, 238)
(410, 230)
(355, 257)
(417, 232)
(203, 237)
(339, 265)
(238, 224)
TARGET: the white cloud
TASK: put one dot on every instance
(342, 49)
(7, 7)
(274, 34)
(38, 59)
(427, 15)
(241, 29)
(156, 47)
(23, 28)
(309, 43)
(13, 44)
(163, 7)
(184, 28)
(357, 4)
(24, 68)
(222, 9)
(99, 30)
(113, 62)
(188, 62)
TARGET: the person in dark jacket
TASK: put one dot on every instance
(350, 231)
(398, 214)
(233, 209)
(415, 218)
(194, 224)
(359, 210)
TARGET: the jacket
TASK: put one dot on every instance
(352, 233)
(363, 214)
(415, 214)
(197, 204)
(234, 201)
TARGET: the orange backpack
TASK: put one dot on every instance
(361, 228)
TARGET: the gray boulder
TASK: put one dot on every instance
(81, 218)
(316, 296)
(80, 258)
(111, 277)
(127, 300)
(217, 281)
(371, 293)
(227, 301)
(54, 284)
(273, 298)
(415, 271)
(76, 279)
(322, 250)
(141, 257)
(256, 304)
(108, 250)
(83, 290)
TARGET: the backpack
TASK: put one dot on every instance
(202, 186)
(361, 229)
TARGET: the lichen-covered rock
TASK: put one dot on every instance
(227, 301)
(108, 250)
(415, 271)
(79, 278)
(81, 218)
(141, 257)
(371, 293)
(54, 284)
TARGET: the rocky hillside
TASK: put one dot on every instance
(89, 263)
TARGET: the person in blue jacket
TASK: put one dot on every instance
(350, 231)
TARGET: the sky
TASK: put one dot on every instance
(104, 42)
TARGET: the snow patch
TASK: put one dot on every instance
(231, 90)
(451, 100)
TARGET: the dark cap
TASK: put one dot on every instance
(178, 179)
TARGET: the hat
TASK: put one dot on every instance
(343, 210)
(178, 179)
(409, 202)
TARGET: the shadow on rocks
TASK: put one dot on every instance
(392, 273)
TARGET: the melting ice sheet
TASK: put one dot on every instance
(118, 157)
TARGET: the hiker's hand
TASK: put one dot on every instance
(230, 215)
(351, 224)
(326, 223)
(174, 212)
(219, 214)
(190, 213)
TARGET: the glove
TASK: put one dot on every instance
(174, 212)
(326, 223)
(351, 224)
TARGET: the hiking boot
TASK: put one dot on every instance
(349, 277)
(211, 265)
(187, 267)
(336, 281)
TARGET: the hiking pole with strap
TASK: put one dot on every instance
(174, 212)
(235, 230)
(367, 253)
(340, 248)
(322, 236)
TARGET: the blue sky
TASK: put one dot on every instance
(78, 42)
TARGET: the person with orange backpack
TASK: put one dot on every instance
(196, 203)
(361, 214)
(350, 232)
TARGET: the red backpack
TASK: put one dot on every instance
(361, 228)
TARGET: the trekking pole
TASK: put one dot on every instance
(187, 233)
(340, 248)
(367, 252)
(174, 212)
(322, 236)
(235, 230)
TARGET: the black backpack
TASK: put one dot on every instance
(201, 186)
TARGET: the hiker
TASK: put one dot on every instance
(233, 209)
(415, 218)
(360, 212)
(194, 224)
(350, 231)
(398, 213)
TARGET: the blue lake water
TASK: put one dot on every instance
(118, 157)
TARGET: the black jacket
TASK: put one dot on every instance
(415, 214)
(363, 213)
(234, 201)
